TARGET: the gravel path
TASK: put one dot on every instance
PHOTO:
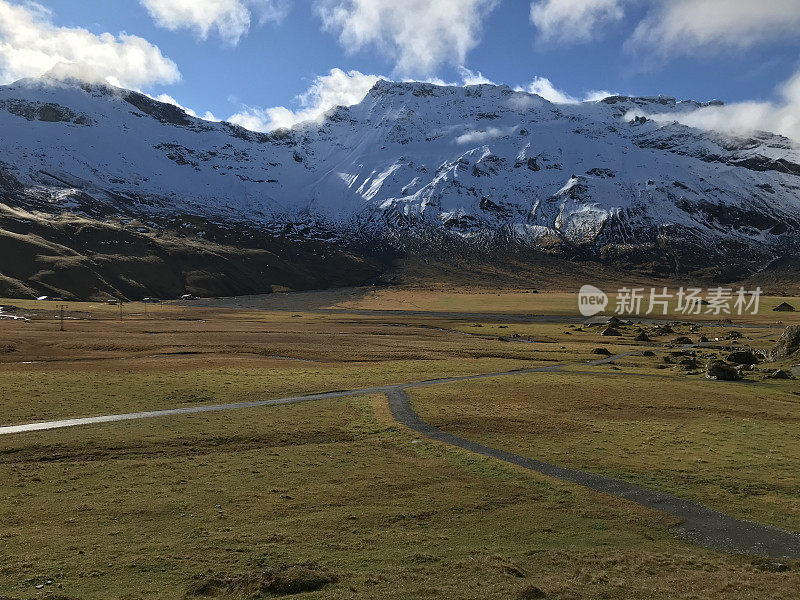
(701, 525)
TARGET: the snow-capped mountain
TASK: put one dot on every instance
(480, 162)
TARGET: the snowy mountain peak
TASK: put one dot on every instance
(477, 162)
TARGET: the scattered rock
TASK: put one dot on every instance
(642, 337)
(780, 374)
(716, 369)
(603, 351)
(742, 357)
(293, 579)
(733, 335)
(610, 331)
(510, 568)
(689, 363)
(648, 353)
(772, 567)
(531, 592)
(682, 340)
(702, 340)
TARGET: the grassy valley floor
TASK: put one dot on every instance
(335, 499)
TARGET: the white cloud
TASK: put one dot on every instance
(468, 77)
(337, 88)
(477, 137)
(473, 77)
(31, 46)
(230, 18)
(671, 25)
(597, 95)
(574, 20)
(781, 117)
(685, 25)
(419, 35)
(543, 87)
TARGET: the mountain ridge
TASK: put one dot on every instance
(413, 162)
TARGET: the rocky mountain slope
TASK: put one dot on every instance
(409, 166)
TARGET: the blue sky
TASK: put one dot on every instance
(243, 57)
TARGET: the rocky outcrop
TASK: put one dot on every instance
(49, 112)
(788, 345)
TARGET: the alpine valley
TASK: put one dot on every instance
(105, 191)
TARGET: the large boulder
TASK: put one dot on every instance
(742, 357)
(788, 345)
(716, 369)
(784, 307)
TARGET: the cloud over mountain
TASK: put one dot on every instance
(781, 117)
(337, 88)
(31, 46)
(418, 35)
